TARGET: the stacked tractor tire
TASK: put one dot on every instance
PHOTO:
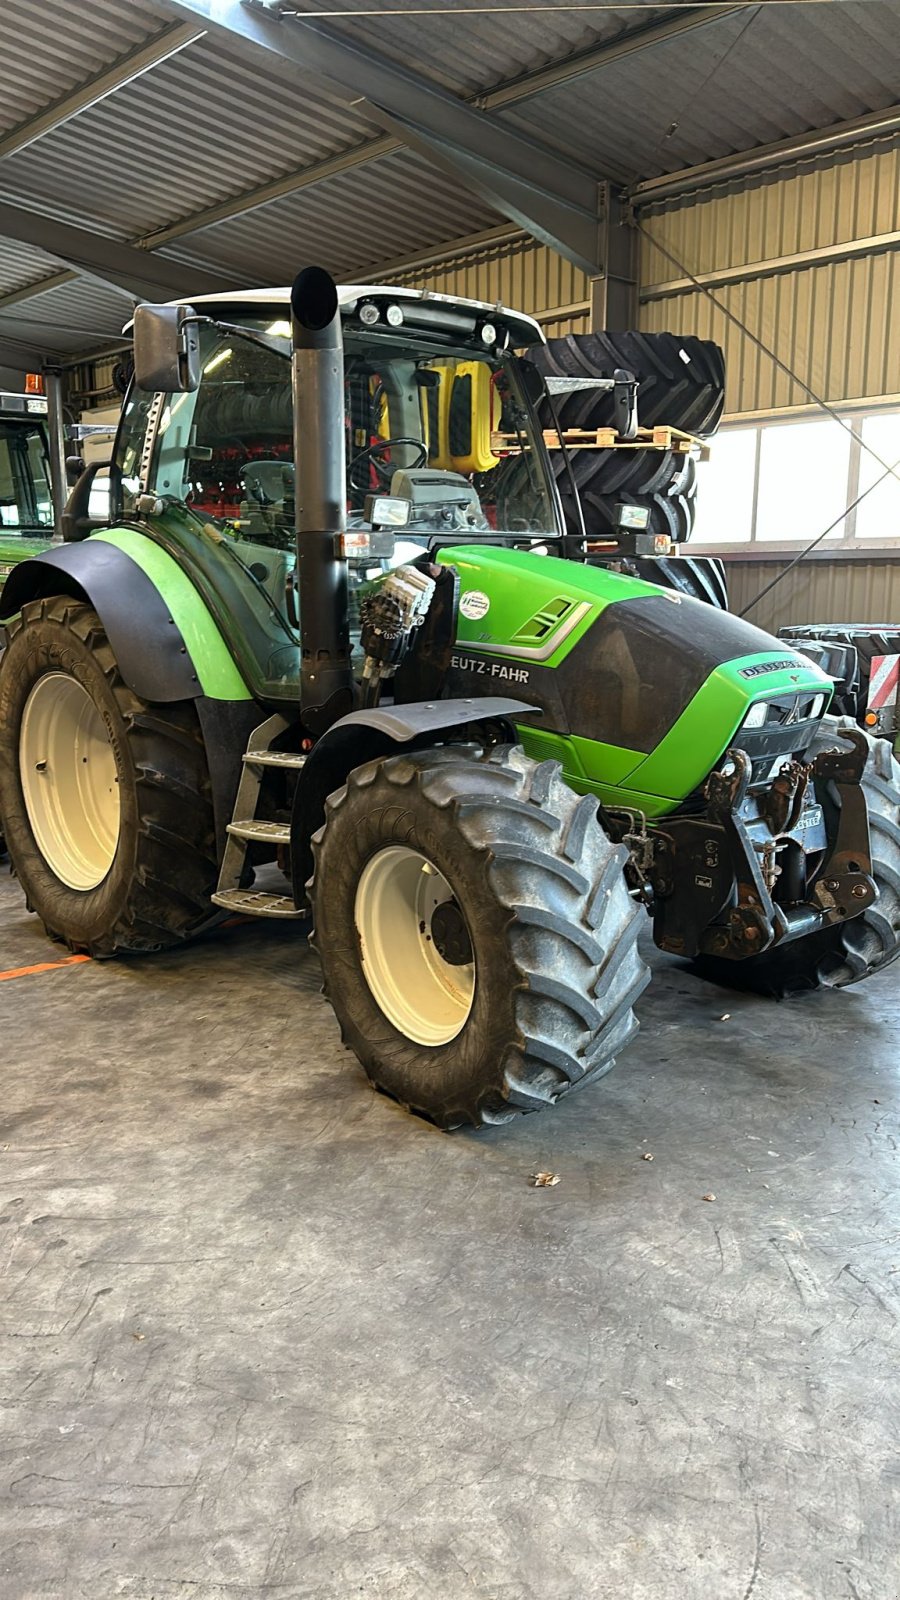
(681, 384)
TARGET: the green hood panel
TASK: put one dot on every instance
(218, 675)
(710, 721)
(537, 607)
(642, 690)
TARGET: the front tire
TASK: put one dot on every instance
(530, 909)
(105, 798)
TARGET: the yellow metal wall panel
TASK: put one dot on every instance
(831, 323)
(519, 273)
(817, 591)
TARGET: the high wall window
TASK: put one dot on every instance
(784, 483)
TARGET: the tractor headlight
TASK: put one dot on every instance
(818, 706)
(756, 716)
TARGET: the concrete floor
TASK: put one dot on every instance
(265, 1335)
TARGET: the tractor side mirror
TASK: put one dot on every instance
(88, 505)
(74, 469)
(166, 349)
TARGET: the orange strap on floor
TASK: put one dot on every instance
(45, 966)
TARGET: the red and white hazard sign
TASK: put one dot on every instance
(883, 682)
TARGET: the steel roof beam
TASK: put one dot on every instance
(505, 97)
(607, 54)
(56, 280)
(177, 36)
(137, 273)
(22, 356)
(265, 193)
(536, 187)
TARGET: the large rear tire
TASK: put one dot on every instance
(701, 577)
(105, 798)
(681, 378)
(476, 933)
(849, 951)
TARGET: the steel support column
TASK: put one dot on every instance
(56, 431)
(614, 294)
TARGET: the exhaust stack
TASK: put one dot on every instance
(320, 499)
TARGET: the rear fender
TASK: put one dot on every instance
(148, 620)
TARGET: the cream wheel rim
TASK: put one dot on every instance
(69, 781)
(416, 948)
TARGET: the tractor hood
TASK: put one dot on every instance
(650, 686)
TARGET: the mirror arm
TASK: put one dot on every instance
(76, 522)
(240, 333)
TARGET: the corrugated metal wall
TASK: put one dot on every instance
(834, 323)
(817, 591)
(520, 273)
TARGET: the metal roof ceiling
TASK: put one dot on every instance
(386, 209)
(47, 49)
(727, 88)
(469, 57)
(245, 165)
(191, 132)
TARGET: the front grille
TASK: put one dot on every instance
(788, 710)
(786, 734)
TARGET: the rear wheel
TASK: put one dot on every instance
(681, 378)
(477, 937)
(701, 577)
(105, 798)
(848, 951)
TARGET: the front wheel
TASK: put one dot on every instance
(476, 933)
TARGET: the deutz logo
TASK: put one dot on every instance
(769, 666)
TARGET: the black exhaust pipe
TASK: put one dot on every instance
(320, 499)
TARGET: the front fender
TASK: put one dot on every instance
(368, 735)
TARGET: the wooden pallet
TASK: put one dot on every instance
(662, 437)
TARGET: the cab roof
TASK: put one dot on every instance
(524, 330)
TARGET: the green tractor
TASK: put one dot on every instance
(335, 658)
(26, 498)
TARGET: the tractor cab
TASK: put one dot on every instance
(433, 402)
(441, 444)
(26, 501)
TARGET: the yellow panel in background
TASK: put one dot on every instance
(470, 418)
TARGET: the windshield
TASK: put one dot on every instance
(448, 433)
(25, 499)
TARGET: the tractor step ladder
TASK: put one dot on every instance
(246, 828)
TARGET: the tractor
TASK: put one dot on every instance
(26, 500)
(334, 658)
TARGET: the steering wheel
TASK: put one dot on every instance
(383, 469)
